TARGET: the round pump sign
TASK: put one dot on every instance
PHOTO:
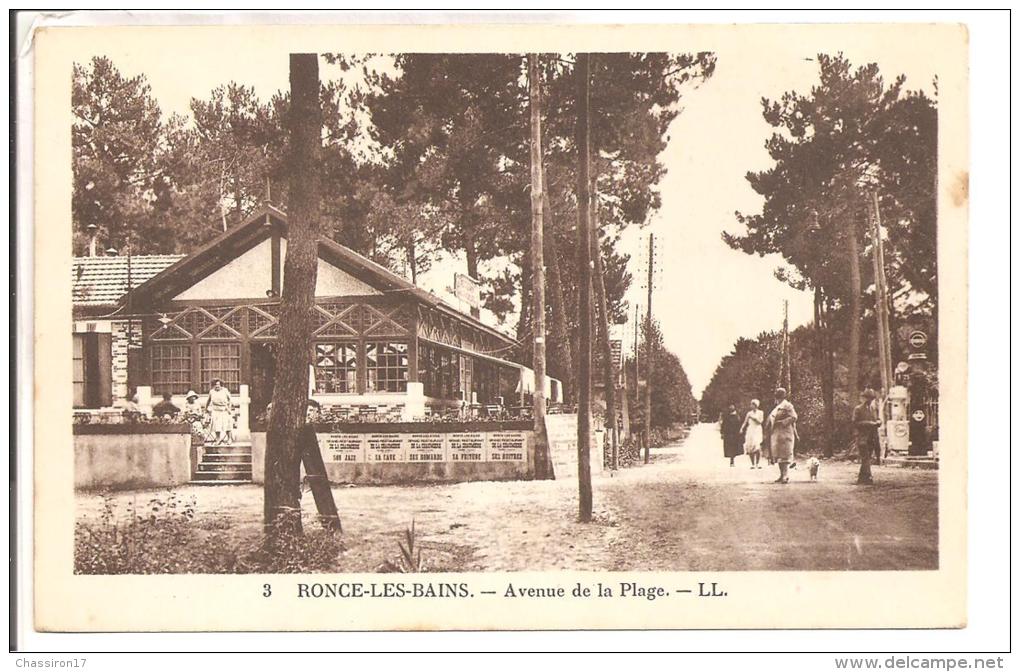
(917, 339)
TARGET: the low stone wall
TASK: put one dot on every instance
(410, 452)
(127, 457)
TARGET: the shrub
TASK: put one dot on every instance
(163, 537)
(144, 540)
(409, 561)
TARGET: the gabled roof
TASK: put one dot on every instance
(184, 272)
(102, 281)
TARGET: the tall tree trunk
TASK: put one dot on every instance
(854, 347)
(524, 319)
(559, 334)
(293, 357)
(824, 341)
(470, 248)
(412, 260)
(648, 349)
(602, 306)
(543, 461)
(582, 76)
(238, 198)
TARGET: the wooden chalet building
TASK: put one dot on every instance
(166, 323)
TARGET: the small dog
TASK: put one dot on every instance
(813, 465)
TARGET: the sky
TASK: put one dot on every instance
(706, 295)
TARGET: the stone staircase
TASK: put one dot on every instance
(224, 465)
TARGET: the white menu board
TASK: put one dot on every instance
(342, 447)
(426, 447)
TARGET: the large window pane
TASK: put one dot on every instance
(386, 367)
(336, 368)
(220, 360)
(171, 368)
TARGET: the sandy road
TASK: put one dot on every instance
(692, 511)
(687, 510)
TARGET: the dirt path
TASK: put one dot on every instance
(695, 512)
(687, 510)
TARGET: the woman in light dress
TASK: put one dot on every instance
(782, 433)
(752, 431)
(221, 417)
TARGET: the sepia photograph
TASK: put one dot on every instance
(478, 315)
(429, 196)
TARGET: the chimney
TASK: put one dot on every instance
(93, 235)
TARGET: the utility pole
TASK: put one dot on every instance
(881, 297)
(637, 375)
(543, 463)
(582, 75)
(648, 350)
(785, 374)
(602, 310)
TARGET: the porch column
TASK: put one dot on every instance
(414, 406)
(243, 400)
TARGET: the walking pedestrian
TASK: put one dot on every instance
(866, 424)
(221, 419)
(752, 431)
(782, 424)
(729, 427)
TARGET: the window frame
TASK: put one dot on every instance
(354, 383)
(390, 384)
(159, 386)
(205, 384)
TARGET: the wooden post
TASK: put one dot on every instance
(635, 432)
(318, 481)
(648, 350)
(543, 461)
(785, 373)
(881, 298)
(854, 266)
(582, 74)
(602, 310)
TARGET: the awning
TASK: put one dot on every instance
(528, 384)
(470, 353)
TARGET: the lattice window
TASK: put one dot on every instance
(259, 320)
(386, 367)
(220, 360)
(336, 368)
(171, 368)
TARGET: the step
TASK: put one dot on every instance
(217, 476)
(244, 449)
(222, 482)
(240, 458)
(223, 466)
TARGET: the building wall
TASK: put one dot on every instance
(123, 461)
(249, 275)
(119, 359)
(366, 473)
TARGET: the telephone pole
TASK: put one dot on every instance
(582, 75)
(543, 463)
(785, 374)
(648, 349)
(881, 297)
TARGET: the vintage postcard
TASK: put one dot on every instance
(499, 327)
